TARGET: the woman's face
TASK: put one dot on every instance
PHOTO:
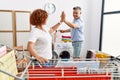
(76, 14)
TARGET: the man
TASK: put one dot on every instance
(76, 29)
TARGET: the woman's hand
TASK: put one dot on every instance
(63, 17)
(41, 59)
(33, 52)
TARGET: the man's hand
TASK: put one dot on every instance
(62, 31)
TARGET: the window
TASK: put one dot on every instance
(14, 27)
(110, 27)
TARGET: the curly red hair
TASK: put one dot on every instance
(38, 17)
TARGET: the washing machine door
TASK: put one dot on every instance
(65, 55)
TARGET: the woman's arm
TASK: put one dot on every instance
(52, 29)
(34, 53)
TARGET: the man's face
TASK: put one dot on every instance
(76, 14)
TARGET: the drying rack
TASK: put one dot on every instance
(109, 71)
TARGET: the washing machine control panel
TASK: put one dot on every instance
(63, 45)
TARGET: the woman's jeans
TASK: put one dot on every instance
(77, 48)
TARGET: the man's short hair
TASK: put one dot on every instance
(77, 7)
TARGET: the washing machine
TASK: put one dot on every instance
(64, 50)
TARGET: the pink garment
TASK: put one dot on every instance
(3, 51)
(66, 36)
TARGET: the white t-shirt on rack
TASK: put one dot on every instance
(43, 42)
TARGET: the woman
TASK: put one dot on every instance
(40, 41)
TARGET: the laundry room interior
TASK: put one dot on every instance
(91, 15)
(100, 31)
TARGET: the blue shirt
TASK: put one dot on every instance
(77, 34)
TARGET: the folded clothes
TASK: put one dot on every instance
(66, 36)
(66, 40)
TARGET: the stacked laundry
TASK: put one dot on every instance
(66, 38)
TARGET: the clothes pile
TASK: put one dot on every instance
(66, 38)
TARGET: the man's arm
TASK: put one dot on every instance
(63, 18)
(72, 25)
(64, 31)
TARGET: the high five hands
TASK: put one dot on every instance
(63, 16)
